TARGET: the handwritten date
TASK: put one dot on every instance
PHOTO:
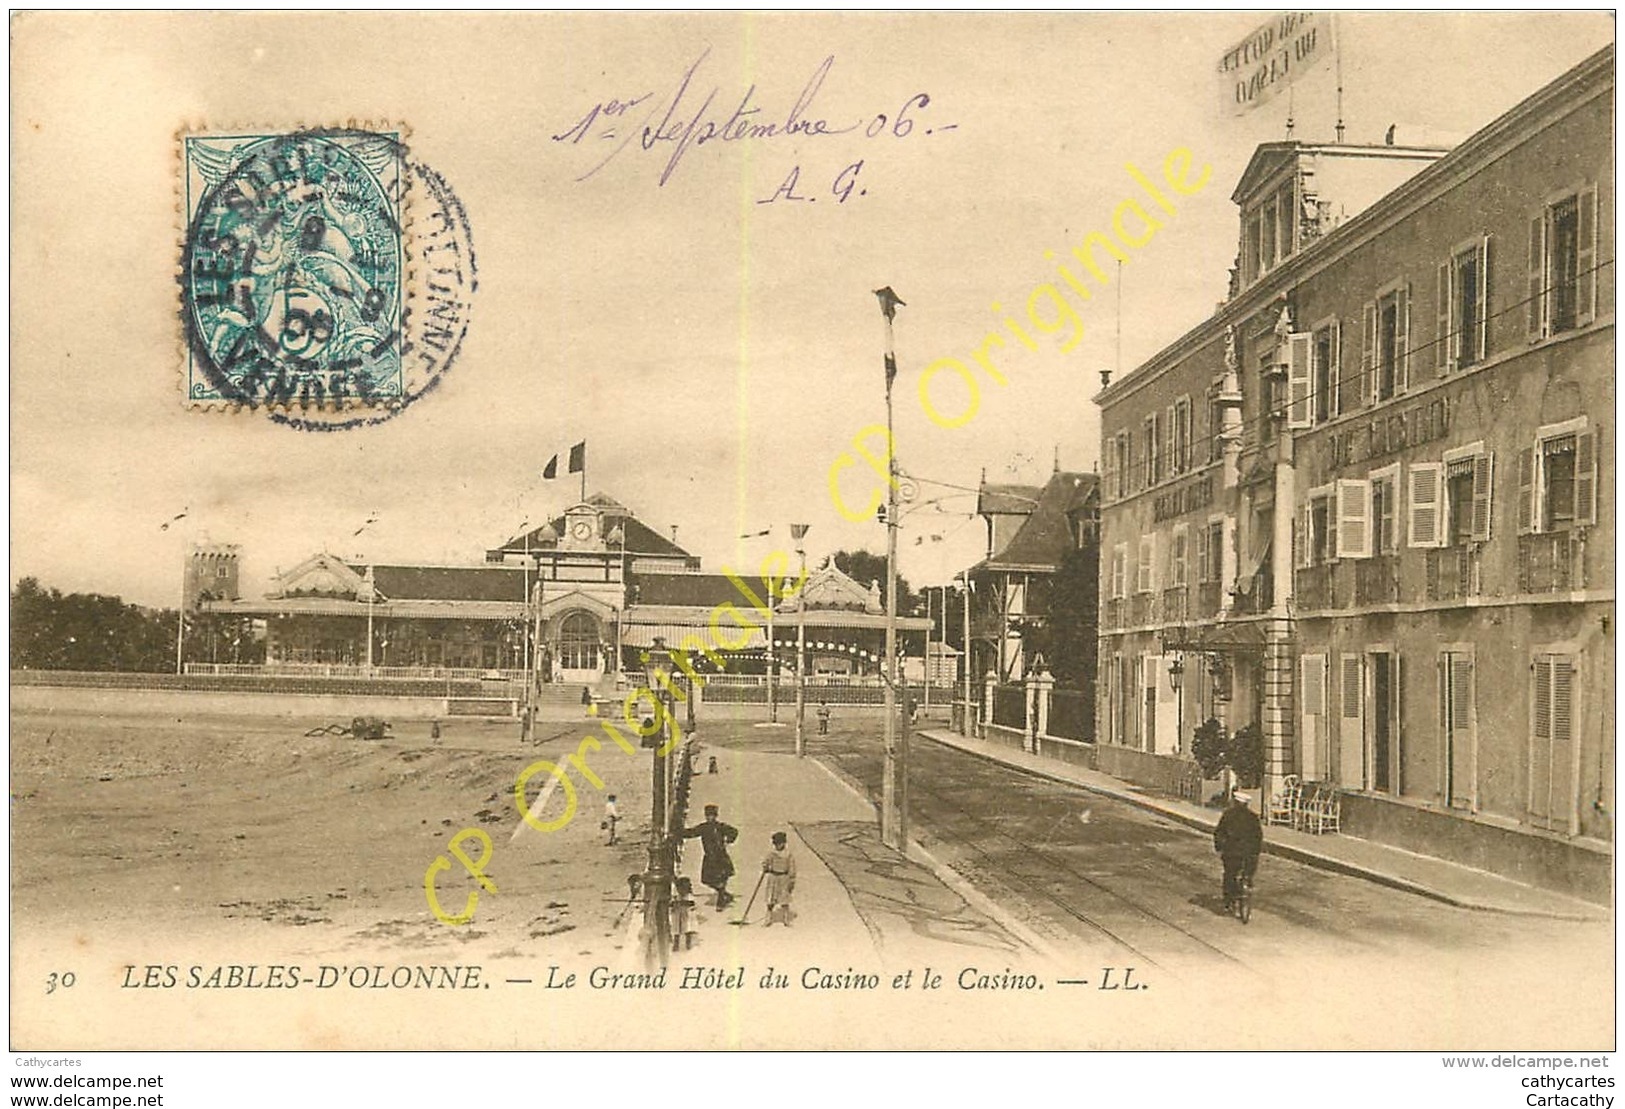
(684, 120)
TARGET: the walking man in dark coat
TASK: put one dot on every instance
(716, 867)
(1238, 839)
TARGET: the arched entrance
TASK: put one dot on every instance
(579, 648)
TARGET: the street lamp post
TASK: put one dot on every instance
(894, 784)
(658, 880)
(372, 593)
(968, 721)
(798, 532)
(1176, 672)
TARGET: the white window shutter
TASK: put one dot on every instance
(1459, 720)
(1142, 566)
(1402, 339)
(1540, 743)
(1353, 519)
(1202, 571)
(1426, 523)
(1335, 374)
(1312, 686)
(1565, 790)
(1351, 722)
(1368, 354)
(1527, 521)
(1585, 278)
(1300, 379)
(1538, 301)
(1444, 346)
(1483, 496)
(1482, 323)
(1585, 477)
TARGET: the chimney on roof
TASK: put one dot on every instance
(674, 534)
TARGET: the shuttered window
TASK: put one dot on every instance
(1457, 729)
(1562, 264)
(1426, 481)
(1351, 722)
(1353, 519)
(1299, 380)
(1313, 731)
(1553, 745)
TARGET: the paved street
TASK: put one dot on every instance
(1083, 870)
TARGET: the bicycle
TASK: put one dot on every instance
(1244, 900)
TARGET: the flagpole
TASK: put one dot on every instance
(1337, 56)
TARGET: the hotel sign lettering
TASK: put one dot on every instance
(1186, 498)
(1384, 434)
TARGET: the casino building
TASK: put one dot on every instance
(580, 597)
(1367, 505)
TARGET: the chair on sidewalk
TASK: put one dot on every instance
(1324, 812)
(1285, 804)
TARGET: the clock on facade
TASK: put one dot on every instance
(581, 530)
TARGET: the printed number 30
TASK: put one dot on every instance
(53, 980)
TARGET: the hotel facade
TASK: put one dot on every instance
(1370, 500)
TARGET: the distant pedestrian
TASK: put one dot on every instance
(434, 731)
(913, 708)
(716, 867)
(823, 718)
(612, 817)
(683, 917)
(711, 767)
(780, 868)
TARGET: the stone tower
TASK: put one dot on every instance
(211, 574)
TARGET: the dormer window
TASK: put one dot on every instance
(1272, 230)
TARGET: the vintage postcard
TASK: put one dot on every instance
(912, 530)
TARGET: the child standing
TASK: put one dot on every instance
(683, 919)
(780, 868)
(612, 817)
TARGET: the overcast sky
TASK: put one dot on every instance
(716, 353)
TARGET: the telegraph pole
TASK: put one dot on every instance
(798, 532)
(894, 785)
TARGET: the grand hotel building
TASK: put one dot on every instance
(1371, 498)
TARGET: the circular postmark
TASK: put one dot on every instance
(326, 278)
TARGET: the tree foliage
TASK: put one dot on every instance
(87, 631)
(1242, 751)
(866, 566)
(1066, 635)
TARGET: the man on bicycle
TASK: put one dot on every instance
(1238, 839)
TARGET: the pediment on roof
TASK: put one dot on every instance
(828, 589)
(553, 605)
(322, 575)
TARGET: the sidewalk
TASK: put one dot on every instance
(853, 895)
(1390, 866)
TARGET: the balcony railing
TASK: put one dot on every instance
(1207, 599)
(1551, 563)
(1175, 605)
(1115, 612)
(1143, 609)
(1376, 580)
(1452, 573)
(1254, 596)
(1315, 587)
